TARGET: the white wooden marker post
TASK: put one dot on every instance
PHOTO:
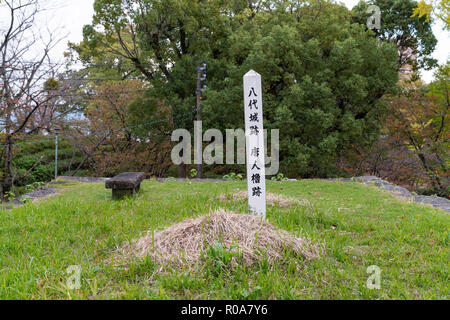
(254, 134)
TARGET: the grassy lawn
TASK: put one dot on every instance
(360, 226)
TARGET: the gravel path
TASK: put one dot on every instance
(48, 191)
(44, 192)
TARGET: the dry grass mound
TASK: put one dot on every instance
(183, 244)
(271, 199)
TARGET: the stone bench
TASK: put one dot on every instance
(125, 184)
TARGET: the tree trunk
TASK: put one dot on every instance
(433, 176)
(7, 166)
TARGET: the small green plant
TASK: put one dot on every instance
(38, 185)
(25, 199)
(233, 176)
(221, 257)
(279, 177)
(10, 195)
(34, 186)
(193, 173)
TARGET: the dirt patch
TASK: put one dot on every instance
(58, 182)
(183, 244)
(42, 194)
(271, 199)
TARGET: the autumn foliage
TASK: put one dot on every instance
(414, 145)
(421, 123)
(114, 141)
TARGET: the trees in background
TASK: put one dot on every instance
(160, 42)
(111, 137)
(414, 147)
(322, 80)
(413, 35)
(418, 117)
(323, 76)
(26, 106)
(325, 82)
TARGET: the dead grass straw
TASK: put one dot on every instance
(182, 244)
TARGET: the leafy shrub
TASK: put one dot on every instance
(279, 177)
(193, 173)
(233, 176)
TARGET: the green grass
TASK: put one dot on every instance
(360, 226)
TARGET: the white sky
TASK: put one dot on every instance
(69, 17)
